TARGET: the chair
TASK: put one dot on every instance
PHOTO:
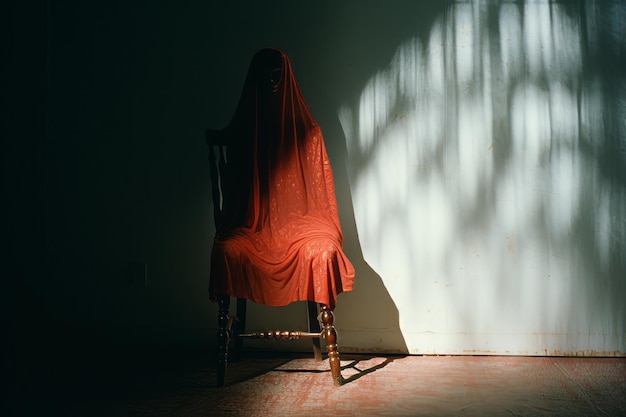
(278, 238)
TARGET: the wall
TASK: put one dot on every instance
(479, 169)
(487, 168)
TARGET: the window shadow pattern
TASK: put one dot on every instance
(487, 167)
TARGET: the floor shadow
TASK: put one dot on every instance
(367, 369)
(357, 366)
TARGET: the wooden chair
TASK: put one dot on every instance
(278, 238)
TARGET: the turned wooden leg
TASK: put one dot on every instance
(330, 336)
(239, 328)
(223, 337)
(314, 327)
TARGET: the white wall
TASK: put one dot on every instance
(487, 170)
(478, 154)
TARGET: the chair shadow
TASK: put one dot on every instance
(362, 366)
(368, 370)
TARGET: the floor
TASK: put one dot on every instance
(182, 383)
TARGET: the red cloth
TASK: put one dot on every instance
(278, 236)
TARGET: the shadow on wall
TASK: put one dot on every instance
(487, 168)
(372, 318)
(359, 40)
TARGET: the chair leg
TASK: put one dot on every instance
(240, 327)
(314, 327)
(330, 336)
(223, 338)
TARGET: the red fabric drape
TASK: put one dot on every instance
(278, 236)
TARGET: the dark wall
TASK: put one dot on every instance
(104, 161)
